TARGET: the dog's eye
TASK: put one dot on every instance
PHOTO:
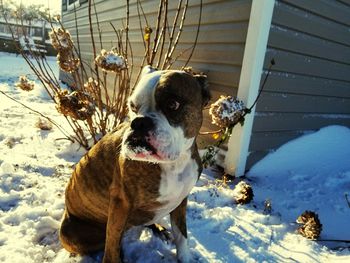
(173, 105)
(133, 107)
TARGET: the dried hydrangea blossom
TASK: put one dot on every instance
(311, 226)
(67, 62)
(226, 111)
(24, 83)
(110, 61)
(61, 39)
(77, 105)
(92, 87)
(43, 124)
(243, 193)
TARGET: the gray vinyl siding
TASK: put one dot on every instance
(309, 87)
(219, 51)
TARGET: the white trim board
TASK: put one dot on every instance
(253, 60)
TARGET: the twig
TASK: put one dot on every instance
(272, 63)
(78, 39)
(172, 33)
(197, 33)
(172, 61)
(156, 35)
(140, 23)
(98, 25)
(39, 113)
(163, 32)
(180, 30)
(347, 199)
(211, 132)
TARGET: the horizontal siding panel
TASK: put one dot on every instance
(332, 10)
(230, 32)
(284, 102)
(293, 83)
(296, 63)
(303, 21)
(294, 41)
(346, 2)
(213, 13)
(297, 121)
(268, 141)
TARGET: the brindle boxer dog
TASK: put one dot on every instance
(140, 172)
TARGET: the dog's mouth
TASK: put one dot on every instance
(148, 148)
(140, 148)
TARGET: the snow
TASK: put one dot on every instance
(309, 173)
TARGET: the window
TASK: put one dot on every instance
(37, 32)
(73, 4)
(3, 28)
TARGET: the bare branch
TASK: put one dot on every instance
(197, 33)
(169, 55)
(40, 114)
(156, 35)
(172, 33)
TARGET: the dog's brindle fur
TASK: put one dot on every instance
(108, 192)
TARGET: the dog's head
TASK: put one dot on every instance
(165, 111)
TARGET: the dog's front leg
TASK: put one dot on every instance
(179, 229)
(118, 211)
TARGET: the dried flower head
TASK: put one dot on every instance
(61, 39)
(311, 226)
(67, 62)
(226, 111)
(209, 156)
(43, 124)
(243, 193)
(92, 87)
(110, 61)
(24, 83)
(77, 105)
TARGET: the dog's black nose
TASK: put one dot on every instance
(142, 124)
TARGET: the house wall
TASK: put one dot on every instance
(219, 51)
(309, 87)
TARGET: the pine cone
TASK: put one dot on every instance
(243, 193)
(311, 227)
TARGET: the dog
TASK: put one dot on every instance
(141, 171)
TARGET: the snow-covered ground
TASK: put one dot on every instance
(309, 173)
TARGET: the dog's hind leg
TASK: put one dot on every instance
(80, 236)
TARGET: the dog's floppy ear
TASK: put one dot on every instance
(203, 83)
(147, 70)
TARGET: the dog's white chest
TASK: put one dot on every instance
(176, 183)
